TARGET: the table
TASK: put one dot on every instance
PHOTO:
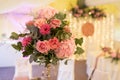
(106, 70)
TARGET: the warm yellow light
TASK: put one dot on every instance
(63, 4)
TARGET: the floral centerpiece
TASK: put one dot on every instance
(82, 10)
(47, 38)
(113, 54)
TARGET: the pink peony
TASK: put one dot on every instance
(47, 12)
(39, 22)
(54, 43)
(26, 41)
(55, 23)
(66, 49)
(43, 46)
(45, 29)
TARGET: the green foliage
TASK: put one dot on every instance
(66, 62)
(17, 46)
(28, 50)
(60, 16)
(44, 58)
(62, 35)
(79, 50)
(78, 41)
(23, 35)
(34, 32)
(14, 36)
(64, 23)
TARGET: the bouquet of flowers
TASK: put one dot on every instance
(48, 38)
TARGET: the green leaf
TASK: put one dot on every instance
(66, 62)
(14, 36)
(29, 49)
(17, 46)
(79, 41)
(60, 16)
(79, 50)
(34, 32)
(25, 54)
(22, 35)
(64, 23)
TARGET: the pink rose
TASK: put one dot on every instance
(39, 22)
(55, 23)
(66, 49)
(45, 29)
(43, 46)
(47, 12)
(54, 43)
(26, 41)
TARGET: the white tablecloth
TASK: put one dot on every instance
(106, 70)
(66, 71)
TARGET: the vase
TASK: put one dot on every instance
(46, 73)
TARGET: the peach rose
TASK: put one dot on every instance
(43, 46)
(55, 23)
(54, 43)
(39, 22)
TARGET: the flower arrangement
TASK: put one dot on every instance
(48, 38)
(115, 55)
(82, 10)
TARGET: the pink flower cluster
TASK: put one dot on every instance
(44, 22)
(55, 23)
(62, 49)
(113, 54)
(41, 21)
(66, 49)
(45, 46)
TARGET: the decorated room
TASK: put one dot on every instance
(60, 40)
